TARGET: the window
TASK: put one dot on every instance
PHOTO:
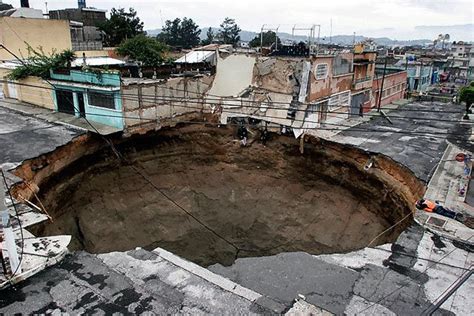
(339, 100)
(103, 100)
(321, 71)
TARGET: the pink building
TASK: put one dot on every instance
(394, 88)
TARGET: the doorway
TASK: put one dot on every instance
(80, 101)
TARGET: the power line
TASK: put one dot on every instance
(449, 291)
(414, 278)
(436, 135)
(241, 103)
(350, 128)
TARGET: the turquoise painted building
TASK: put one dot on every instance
(94, 95)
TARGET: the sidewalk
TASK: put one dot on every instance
(57, 117)
(449, 186)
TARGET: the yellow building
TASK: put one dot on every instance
(17, 33)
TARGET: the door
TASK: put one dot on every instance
(11, 87)
(323, 114)
(356, 102)
(80, 100)
(65, 101)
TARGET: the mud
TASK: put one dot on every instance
(261, 200)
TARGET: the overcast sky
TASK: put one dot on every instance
(392, 18)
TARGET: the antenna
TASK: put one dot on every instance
(330, 33)
(162, 23)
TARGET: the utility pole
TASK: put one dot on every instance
(381, 85)
(8, 245)
(421, 74)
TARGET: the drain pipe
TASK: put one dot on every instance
(369, 164)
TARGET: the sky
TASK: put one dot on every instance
(375, 18)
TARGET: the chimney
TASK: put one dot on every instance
(25, 3)
(81, 4)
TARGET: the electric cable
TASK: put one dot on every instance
(463, 275)
(241, 103)
(351, 128)
(414, 278)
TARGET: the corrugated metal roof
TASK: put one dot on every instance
(196, 56)
(97, 61)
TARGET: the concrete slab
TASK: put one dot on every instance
(58, 118)
(24, 136)
(135, 282)
(283, 277)
(422, 152)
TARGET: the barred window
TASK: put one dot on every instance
(321, 71)
(103, 100)
(339, 100)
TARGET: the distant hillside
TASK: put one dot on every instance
(337, 39)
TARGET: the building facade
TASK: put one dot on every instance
(16, 32)
(393, 89)
(93, 95)
(364, 71)
(84, 22)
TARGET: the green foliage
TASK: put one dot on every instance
(269, 38)
(182, 33)
(466, 94)
(144, 49)
(229, 32)
(210, 37)
(39, 64)
(121, 26)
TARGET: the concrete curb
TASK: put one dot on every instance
(209, 276)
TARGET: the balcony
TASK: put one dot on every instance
(362, 83)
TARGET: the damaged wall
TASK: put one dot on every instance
(151, 104)
(32, 90)
(233, 75)
(329, 84)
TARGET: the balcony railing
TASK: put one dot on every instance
(362, 83)
(368, 78)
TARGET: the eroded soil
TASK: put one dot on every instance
(263, 200)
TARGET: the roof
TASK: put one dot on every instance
(196, 56)
(97, 61)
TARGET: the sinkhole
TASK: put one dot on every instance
(242, 201)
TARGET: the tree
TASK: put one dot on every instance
(121, 26)
(229, 32)
(183, 33)
(467, 95)
(210, 37)
(269, 38)
(144, 49)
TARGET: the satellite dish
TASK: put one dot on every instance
(447, 37)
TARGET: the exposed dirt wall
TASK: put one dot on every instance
(263, 199)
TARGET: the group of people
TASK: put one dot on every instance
(242, 133)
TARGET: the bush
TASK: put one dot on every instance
(39, 64)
